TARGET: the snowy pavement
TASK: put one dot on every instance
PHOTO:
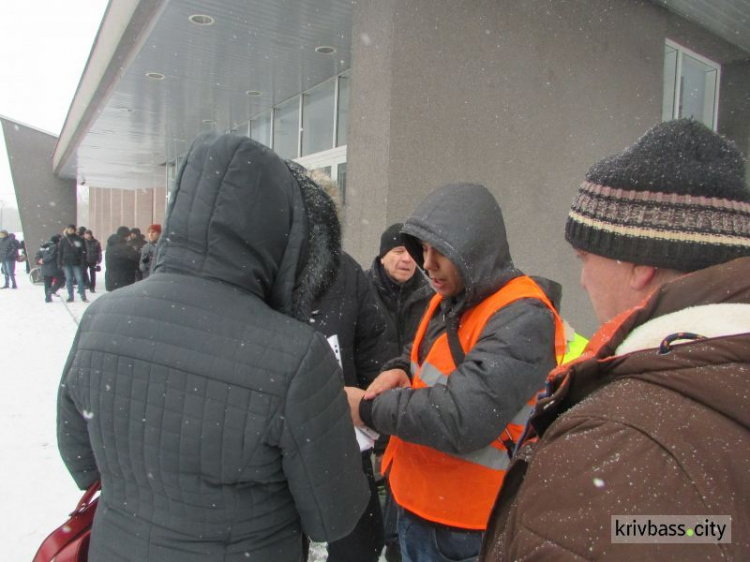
(36, 491)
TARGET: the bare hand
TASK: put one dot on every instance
(354, 395)
(394, 378)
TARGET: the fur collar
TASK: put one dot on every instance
(710, 321)
(323, 245)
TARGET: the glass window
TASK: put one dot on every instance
(317, 118)
(691, 86)
(342, 126)
(286, 129)
(260, 129)
(697, 90)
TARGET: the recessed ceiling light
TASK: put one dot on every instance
(208, 121)
(253, 93)
(155, 75)
(201, 19)
(325, 50)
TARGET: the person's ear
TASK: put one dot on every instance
(641, 277)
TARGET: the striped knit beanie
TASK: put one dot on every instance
(676, 199)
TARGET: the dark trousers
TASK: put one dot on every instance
(365, 542)
(48, 287)
(90, 274)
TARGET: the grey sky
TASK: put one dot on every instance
(44, 47)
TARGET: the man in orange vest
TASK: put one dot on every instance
(456, 401)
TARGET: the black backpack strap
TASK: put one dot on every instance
(454, 344)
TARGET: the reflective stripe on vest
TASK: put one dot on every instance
(458, 490)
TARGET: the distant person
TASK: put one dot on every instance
(93, 258)
(653, 419)
(147, 252)
(46, 258)
(8, 255)
(121, 260)
(137, 241)
(210, 409)
(23, 256)
(403, 294)
(71, 257)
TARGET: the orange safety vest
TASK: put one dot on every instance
(458, 490)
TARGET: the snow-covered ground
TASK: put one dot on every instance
(36, 491)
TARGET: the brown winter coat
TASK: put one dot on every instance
(630, 431)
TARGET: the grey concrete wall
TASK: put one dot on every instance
(734, 104)
(46, 203)
(520, 96)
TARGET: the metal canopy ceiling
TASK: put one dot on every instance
(135, 124)
(123, 126)
(729, 19)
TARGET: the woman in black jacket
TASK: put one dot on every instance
(213, 414)
(121, 260)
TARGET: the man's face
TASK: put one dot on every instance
(87, 235)
(605, 281)
(69, 231)
(153, 236)
(399, 265)
(445, 277)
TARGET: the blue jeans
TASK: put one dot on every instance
(70, 271)
(9, 271)
(422, 542)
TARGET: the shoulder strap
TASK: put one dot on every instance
(454, 344)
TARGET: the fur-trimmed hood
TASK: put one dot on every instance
(240, 215)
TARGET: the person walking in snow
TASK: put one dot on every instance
(46, 258)
(8, 255)
(71, 258)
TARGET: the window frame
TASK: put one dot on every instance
(681, 51)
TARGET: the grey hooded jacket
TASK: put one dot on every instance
(216, 421)
(510, 361)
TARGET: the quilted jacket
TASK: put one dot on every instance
(216, 420)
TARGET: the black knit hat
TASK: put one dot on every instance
(676, 199)
(391, 238)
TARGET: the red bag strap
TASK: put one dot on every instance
(73, 530)
(83, 505)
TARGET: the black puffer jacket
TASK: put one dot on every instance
(47, 258)
(71, 250)
(121, 263)
(348, 314)
(217, 421)
(403, 305)
(93, 252)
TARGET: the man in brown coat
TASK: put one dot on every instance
(647, 436)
